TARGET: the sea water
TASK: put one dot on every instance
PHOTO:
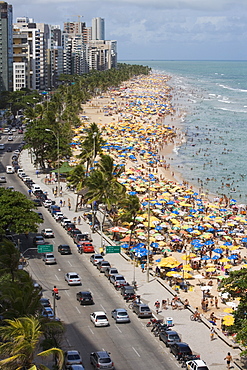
(214, 96)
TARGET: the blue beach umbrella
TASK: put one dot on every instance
(215, 257)
(244, 240)
(233, 257)
(227, 243)
(205, 258)
(125, 246)
(209, 242)
(218, 250)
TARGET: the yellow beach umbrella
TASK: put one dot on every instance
(187, 268)
(171, 273)
(224, 259)
(228, 310)
(228, 266)
(211, 269)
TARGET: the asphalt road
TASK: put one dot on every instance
(132, 345)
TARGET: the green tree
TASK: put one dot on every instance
(16, 213)
(77, 177)
(21, 339)
(130, 209)
(9, 258)
(236, 286)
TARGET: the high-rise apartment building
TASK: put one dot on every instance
(6, 47)
(98, 29)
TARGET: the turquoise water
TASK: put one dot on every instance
(214, 95)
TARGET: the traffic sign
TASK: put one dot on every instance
(113, 249)
(45, 248)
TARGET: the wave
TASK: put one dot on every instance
(225, 101)
(231, 88)
(232, 110)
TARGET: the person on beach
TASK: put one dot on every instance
(157, 306)
(212, 332)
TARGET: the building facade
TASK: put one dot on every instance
(6, 47)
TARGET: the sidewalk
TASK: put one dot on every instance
(197, 335)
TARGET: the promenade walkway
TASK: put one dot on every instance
(197, 335)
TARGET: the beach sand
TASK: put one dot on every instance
(109, 110)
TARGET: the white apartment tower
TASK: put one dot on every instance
(98, 29)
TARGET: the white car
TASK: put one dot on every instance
(47, 203)
(65, 221)
(47, 233)
(196, 365)
(99, 318)
(72, 358)
(10, 138)
(49, 259)
(72, 278)
(58, 216)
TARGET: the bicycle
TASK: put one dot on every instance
(195, 318)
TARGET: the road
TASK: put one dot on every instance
(132, 346)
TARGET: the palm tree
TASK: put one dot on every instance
(20, 341)
(131, 208)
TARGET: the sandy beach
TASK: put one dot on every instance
(142, 124)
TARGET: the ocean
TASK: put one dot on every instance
(214, 96)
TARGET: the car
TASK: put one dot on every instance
(10, 169)
(72, 278)
(180, 349)
(9, 149)
(10, 188)
(102, 265)
(120, 315)
(10, 132)
(45, 302)
(82, 237)
(76, 367)
(96, 258)
(169, 337)
(99, 318)
(64, 249)
(58, 216)
(48, 312)
(53, 207)
(38, 240)
(127, 291)
(110, 271)
(85, 247)
(142, 310)
(37, 202)
(65, 221)
(101, 360)
(2, 146)
(26, 179)
(69, 226)
(10, 138)
(196, 365)
(3, 179)
(47, 233)
(47, 203)
(40, 215)
(118, 281)
(72, 232)
(49, 259)
(85, 297)
(72, 358)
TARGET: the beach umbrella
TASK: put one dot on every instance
(124, 246)
(228, 310)
(171, 273)
(211, 269)
(233, 257)
(205, 258)
(224, 259)
(218, 250)
(228, 266)
(118, 229)
(215, 257)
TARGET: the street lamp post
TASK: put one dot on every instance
(58, 158)
(94, 154)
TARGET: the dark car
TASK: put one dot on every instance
(128, 292)
(74, 232)
(64, 249)
(37, 202)
(101, 360)
(85, 297)
(180, 350)
(169, 337)
(9, 149)
(45, 302)
(70, 226)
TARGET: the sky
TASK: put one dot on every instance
(155, 29)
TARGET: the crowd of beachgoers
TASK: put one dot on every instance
(192, 238)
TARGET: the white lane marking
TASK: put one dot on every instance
(90, 330)
(78, 309)
(136, 352)
(118, 328)
(56, 277)
(67, 292)
(69, 263)
(103, 308)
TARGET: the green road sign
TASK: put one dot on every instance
(45, 248)
(113, 249)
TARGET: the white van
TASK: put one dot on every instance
(35, 187)
(10, 169)
(2, 146)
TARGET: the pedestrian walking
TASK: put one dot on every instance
(74, 220)
(164, 304)
(216, 302)
(142, 266)
(212, 332)
(64, 203)
(61, 203)
(79, 220)
(157, 271)
(228, 359)
(69, 206)
(157, 306)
